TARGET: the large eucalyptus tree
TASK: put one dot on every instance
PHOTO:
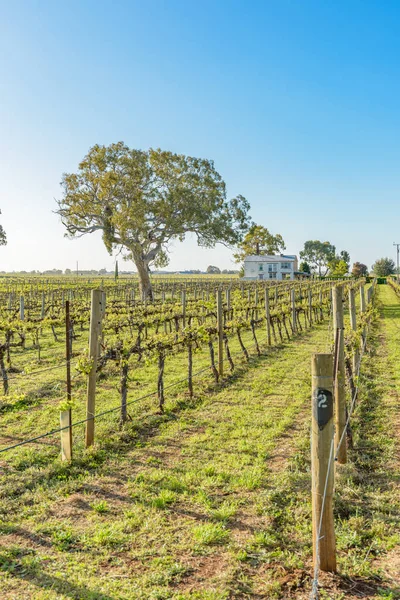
(142, 200)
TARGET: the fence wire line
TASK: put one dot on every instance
(101, 414)
(98, 415)
(332, 459)
(27, 375)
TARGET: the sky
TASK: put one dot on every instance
(296, 102)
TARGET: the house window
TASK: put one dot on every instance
(285, 266)
(270, 267)
(272, 275)
(260, 268)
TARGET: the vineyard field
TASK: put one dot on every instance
(198, 485)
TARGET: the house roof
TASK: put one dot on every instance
(266, 258)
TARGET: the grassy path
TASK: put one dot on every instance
(367, 500)
(172, 512)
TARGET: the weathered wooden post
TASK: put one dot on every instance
(310, 308)
(294, 315)
(267, 316)
(353, 325)
(220, 328)
(256, 301)
(43, 311)
(95, 320)
(321, 312)
(322, 462)
(183, 297)
(362, 299)
(66, 415)
(340, 390)
(102, 315)
(22, 308)
(228, 299)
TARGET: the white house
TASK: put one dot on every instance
(283, 266)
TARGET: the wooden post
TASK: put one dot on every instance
(66, 415)
(294, 316)
(228, 299)
(95, 319)
(184, 308)
(256, 301)
(310, 305)
(267, 316)
(340, 390)
(102, 315)
(220, 327)
(43, 313)
(353, 325)
(66, 434)
(322, 462)
(362, 299)
(21, 308)
(321, 313)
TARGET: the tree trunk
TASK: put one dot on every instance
(145, 289)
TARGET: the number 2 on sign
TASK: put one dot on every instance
(322, 400)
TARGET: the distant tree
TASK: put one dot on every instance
(318, 255)
(340, 268)
(211, 270)
(359, 270)
(67, 271)
(322, 257)
(383, 267)
(103, 272)
(305, 267)
(259, 241)
(3, 236)
(345, 256)
(143, 200)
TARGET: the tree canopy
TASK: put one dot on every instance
(212, 270)
(359, 270)
(259, 241)
(339, 268)
(142, 200)
(3, 236)
(322, 257)
(305, 267)
(383, 267)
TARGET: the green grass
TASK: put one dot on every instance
(210, 501)
(175, 489)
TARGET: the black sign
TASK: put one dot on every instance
(322, 406)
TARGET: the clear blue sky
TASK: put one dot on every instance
(296, 101)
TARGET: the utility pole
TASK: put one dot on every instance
(397, 248)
